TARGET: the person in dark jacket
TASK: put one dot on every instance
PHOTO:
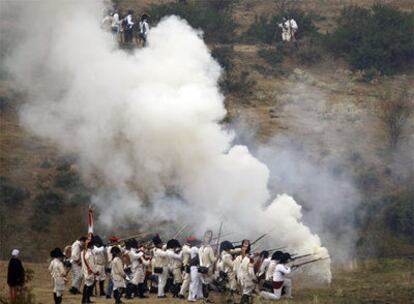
(15, 275)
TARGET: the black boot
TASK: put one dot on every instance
(54, 298)
(102, 288)
(244, 299)
(117, 296)
(59, 300)
(141, 290)
(205, 291)
(90, 293)
(85, 294)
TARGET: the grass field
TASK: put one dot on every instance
(373, 281)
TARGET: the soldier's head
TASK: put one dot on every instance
(285, 258)
(57, 253)
(226, 246)
(157, 241)
(82, 240)
(115, 251)
(276, 256)
(208, 236)
(245, 246)
(264, 254)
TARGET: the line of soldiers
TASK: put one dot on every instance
(190, 271)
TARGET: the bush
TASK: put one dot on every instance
(265, 28)
(217, 25)
(399, 215)
(12, 195)
(67, 180)
(223, 56)
(381, 37)
(240, 84)
(309, 51)
(49, 202)
(272, 56)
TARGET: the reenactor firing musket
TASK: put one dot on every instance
(309, 262)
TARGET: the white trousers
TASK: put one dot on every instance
(77, 275)
(186, 283)
(196, 288)
(162, 280)
(277, 293)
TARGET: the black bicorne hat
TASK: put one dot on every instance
(56, 253)
(157, 240)
(173, 243)
(226, 245)
(277, 255)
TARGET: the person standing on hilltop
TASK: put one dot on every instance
(58, 273)
(15, 275)
(129, 24)
(76, 263)
(143, 29)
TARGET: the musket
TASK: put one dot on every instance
(274, 249)
(301, 256)
(222, 235)
(309, 262)
(180, 231)
(218, 238)
(128, 238)
(258, 239)
(254, 242)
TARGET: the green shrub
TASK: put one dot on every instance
(399, 215)
(381, 37)
(67, 180)
(309, 51)
(223, 56)
(12, 195)
(272, 56)
(265, 28)
(217, 25)
(49, 202)
(240, 84)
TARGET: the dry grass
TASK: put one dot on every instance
(374, 281)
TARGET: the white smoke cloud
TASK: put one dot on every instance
(145, 127)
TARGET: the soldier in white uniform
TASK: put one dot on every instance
(100, 257)
(175, 264)
(276, 256)
(117, 274)
(196, 290)
(247, 276)
(207, 260)
(76, 264)
(89, 272)
(160, 265)
(279, 282)
(58, 273)
(186, 254)
(228, 268)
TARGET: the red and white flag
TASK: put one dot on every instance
(90, 223)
